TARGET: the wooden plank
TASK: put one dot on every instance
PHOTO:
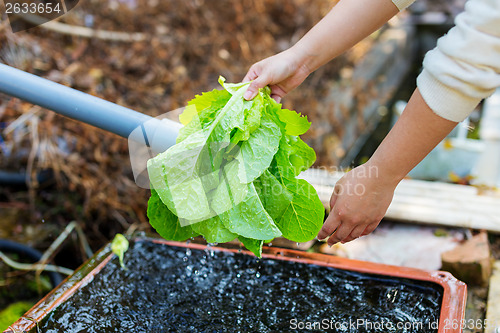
(492, 320)
(427, 202)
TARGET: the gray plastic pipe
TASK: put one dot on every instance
(157, 134)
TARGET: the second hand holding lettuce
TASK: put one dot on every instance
(232, 173)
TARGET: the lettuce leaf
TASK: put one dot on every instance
(250, 219)
(165, 222)
(252, 245)
(232, 173)
(214, 230)
(294, 123)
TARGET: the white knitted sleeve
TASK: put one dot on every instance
(464, 67)
(402, 4)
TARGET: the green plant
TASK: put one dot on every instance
(232, 173)
(12, 313)
(119, 246)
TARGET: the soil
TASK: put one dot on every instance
(179, 289)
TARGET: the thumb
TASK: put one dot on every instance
(332, 221)
(331, 224)
(333, 200)
(254, 87)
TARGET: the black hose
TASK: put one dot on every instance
(26, 251)
(8, 178)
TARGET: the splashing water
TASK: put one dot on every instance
(234, 292)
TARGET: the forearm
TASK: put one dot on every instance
(414, 135)
(345, 25)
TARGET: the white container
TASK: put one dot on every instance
(487, 169)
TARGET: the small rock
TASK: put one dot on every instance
(470, 261)
(283, 242)
(336, 250)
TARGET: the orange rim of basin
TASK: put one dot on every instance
(451, 315)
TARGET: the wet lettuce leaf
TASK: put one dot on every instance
(253, 245)
(232, 173)
(165, 222)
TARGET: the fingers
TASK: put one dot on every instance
(337, 231)
(355, 213)
(330, 225)
(277, 98)
(258, 82)
(342, 232)
(334, 197)
(355, 233)
(360, 231)
(251, 75)
(253, 88)
(331, 222)
(277, 93)
(369, 229)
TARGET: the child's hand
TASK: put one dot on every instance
(358, 204)
(282, 72)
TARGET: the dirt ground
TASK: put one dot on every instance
(76, 172)
(189, 44)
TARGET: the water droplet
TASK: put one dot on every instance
(257, 275)
(270, 244)
(298, 245)
(185, 259)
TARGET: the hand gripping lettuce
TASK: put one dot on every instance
(232, 173)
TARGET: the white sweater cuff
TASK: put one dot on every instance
(402, 4)
(446, 102)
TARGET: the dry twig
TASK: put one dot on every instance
(34, 267)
